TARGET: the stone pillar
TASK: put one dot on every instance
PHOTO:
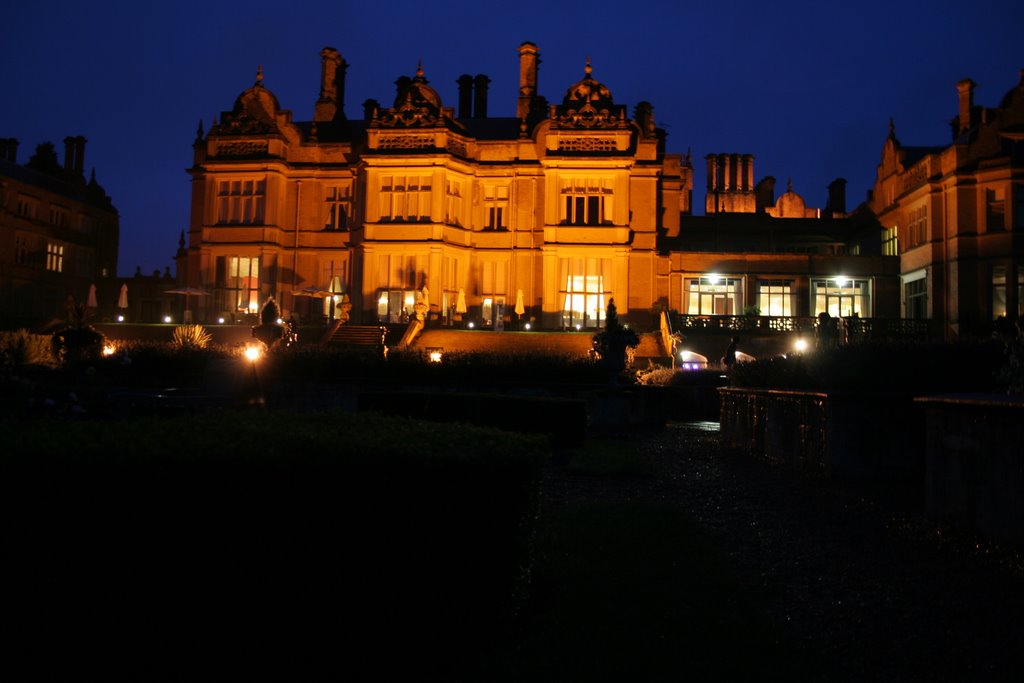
(327, 104)
(712, 161)
(727, 172)
(748, 163)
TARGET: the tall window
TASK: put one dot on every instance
(55, 257)
(241, 201)
(338, 202)
(995, 208)
(453, 202)
(243, 283)
(1000, 284)
(916, 292)
(775, 297)
(714, 296)
(586, 201)
(842, 297)
(585, 289)
(405, 198)
(890, 241)
(917, 226)
(496, 207)
(1018, 207)
(58, 216)
(493, 285)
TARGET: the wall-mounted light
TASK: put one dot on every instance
(714, 278)
(842, 280)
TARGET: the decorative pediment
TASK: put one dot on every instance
(417, 105)
(588, 104)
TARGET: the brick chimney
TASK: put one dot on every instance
(80, 157)
(465, 96)
(480, 84)
(965, 89)
(529, 61)
(9, 149)
(331, 104)
(836, 197)
(69, 154)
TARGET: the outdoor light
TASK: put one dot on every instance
(167, 318)
(253, 307)
(120, 318)
(578, 327)
(109, 350)
(527, 327)
(800, 345)
(842, 280)
(280, 321)
(434, 354)
(715, 278)
(471, 325)
(253, 353)
(220, 320)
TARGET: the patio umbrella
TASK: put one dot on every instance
(91, 301)
(311, 292)
(122, 300)
(426, 298)
(188, 293)
(520, 306)
(460, 303)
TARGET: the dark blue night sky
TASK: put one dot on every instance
(806, 87)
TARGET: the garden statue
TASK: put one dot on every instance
(269, 331)
(610, 345)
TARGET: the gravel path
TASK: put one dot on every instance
(858, 578)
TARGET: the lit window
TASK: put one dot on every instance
(54, 257)
(775, 297)
(842, 297)
(241, 201)
(890, 241)
(243, 283)
(714, 295)
(585, 290)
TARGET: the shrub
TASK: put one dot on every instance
(904, 367)
(190, 337)
(21, 348)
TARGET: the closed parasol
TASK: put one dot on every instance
(122, 299)
(520, 306)
(91, 301)
(460, 303)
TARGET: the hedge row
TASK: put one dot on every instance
(263, 544)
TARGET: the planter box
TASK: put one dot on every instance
(975, 463)
(871, 436)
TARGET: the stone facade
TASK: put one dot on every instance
(954, 214)
(58, 234)
(559, 208)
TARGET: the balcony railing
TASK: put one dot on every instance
(857, 329)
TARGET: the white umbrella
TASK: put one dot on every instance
(122, 300)
(91, 301)
(520, 306)
(460, 303)
(189, 292)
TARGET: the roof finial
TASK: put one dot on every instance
(892, 128)
(419, 68)
(259, 75)
(789, 185)
(588, 69)
(199, 131)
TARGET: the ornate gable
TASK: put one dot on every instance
(588, 104)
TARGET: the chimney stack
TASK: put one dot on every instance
(80, 157)
(69, 154)
(9, 149)
(465, 96)
(836, 197)
(965, 88)
(331, 104)
(480, 84)
(529, 60)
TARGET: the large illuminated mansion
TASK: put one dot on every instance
(543, 216)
